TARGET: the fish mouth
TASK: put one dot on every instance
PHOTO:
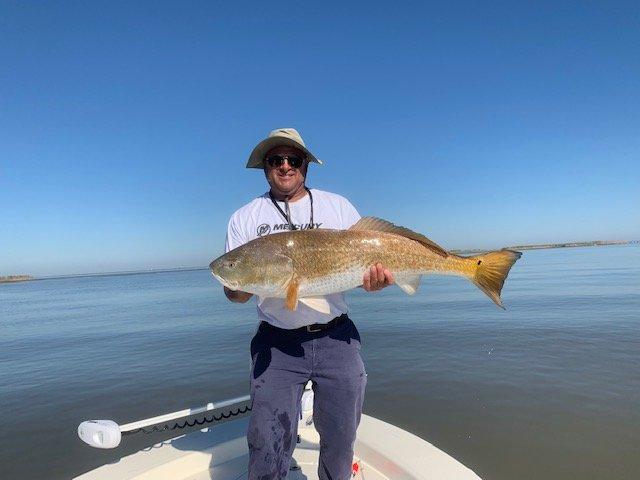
(226, 283)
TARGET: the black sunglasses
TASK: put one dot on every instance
(278, 160)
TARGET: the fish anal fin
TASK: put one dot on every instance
(317, 303)
(291, 301)
(380, 225)
(408, 282)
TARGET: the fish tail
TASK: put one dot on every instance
(491, 270)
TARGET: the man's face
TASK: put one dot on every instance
(285, 179)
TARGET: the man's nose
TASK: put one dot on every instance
(285, 165)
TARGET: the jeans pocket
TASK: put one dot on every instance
(260, 354)
(355, 336)
(255, 346)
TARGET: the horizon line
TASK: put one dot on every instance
(540, 246)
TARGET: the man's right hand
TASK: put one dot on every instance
(237, 296)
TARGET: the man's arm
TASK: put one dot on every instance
(237, 296)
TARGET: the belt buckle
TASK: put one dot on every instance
(310, 329)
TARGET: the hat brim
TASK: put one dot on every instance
(256, 159)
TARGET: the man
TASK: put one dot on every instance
(292, 347)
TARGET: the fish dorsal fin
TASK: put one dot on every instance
(373, 223)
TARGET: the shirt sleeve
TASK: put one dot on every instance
(235, 235)
(350, 215)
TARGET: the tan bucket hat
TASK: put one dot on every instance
(280, 136)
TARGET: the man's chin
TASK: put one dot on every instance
(287, 189)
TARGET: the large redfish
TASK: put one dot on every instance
(303, 265)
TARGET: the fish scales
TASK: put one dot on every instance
(310, 263)
(342, 256)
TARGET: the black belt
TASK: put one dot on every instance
(315, 328)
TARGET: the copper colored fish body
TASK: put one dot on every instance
(304, 265)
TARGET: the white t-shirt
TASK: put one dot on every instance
(260, 217)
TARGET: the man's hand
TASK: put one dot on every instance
(376, 278)
(237, 296)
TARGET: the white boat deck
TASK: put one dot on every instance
(382, 451)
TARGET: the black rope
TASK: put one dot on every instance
(187, 423)
(287, 215)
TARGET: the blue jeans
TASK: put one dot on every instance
(282, 363)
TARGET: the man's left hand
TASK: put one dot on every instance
(376, 278)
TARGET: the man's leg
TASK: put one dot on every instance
(339, 382)
(278, 377)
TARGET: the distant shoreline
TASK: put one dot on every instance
(16, 278)
(104, 274)
(544, 246)
(29, 278)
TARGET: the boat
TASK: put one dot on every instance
(219, 452)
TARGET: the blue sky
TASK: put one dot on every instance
(125, 126)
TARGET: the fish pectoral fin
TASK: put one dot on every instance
(291, 301)
(317, 303)
(407, 282)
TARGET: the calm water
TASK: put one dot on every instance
(549, 389)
